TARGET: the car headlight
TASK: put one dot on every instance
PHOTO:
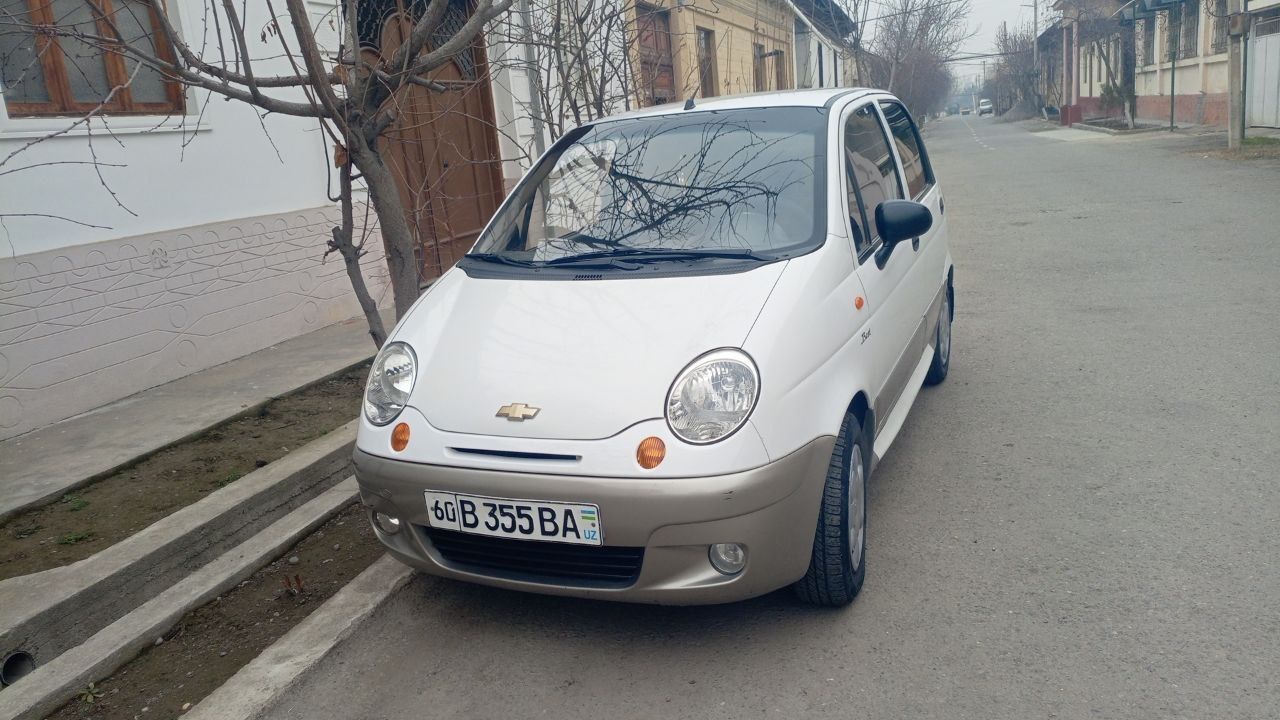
(390, 381)
(713, 396)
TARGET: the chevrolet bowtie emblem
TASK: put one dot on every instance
(518, 412)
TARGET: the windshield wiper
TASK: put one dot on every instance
(500, 259)
(643, 254)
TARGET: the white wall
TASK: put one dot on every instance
(215, 163)
(810, 51)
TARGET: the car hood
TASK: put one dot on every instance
(594, 357)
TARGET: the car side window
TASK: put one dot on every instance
(871, 172)
(915, 162)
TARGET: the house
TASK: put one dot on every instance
(1181, 53)
(1050, 78)
(1096, 59)
(825, 40)
(198, 236)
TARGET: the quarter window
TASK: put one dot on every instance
(915, 163)
(870, 172)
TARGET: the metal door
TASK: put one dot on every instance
(1264, 73)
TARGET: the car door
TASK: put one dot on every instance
(871, 176)
(927, 276)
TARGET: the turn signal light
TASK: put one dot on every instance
(651, 452)
(400, 437)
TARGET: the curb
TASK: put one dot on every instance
(79, 599)
(1117, 133)
(9, 506)
(55, 682)
(251, 692)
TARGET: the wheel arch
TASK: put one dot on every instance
(860, 407)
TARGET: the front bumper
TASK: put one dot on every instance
(772, 510)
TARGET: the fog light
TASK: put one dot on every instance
(728, 558)
(386, 523)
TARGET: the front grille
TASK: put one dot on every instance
(535, 561)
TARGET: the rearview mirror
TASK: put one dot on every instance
(898, 220)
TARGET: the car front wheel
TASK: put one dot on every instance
(942, 342)
(838, 564)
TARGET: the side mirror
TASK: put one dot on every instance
(898, 220)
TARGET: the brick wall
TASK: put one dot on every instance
(1195, 109)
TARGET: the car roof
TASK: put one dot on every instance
(786, 98)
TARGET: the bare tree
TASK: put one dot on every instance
(1013, 77)
(913, 42)
(577, 56)
(356, 97)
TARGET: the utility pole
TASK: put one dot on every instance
(1235, 75)
(1035, 38)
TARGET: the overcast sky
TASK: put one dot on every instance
(985, 20)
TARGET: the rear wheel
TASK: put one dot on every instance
(838, 564)
(942, 343)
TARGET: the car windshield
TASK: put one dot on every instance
(741, 183)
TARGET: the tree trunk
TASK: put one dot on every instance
(344, 244)
(397, 237)
(1111, 78)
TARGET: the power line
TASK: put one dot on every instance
(982, 56)
(910, 12)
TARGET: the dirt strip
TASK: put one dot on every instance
(211, 643)
(109, 510)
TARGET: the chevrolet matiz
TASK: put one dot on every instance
(672, 360)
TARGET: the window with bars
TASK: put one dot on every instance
(1149, 41)
(1172, 32)
(1190, 28)
(1219, 44)
(45, 69)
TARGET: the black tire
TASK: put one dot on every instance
(941, 364)
(834, 576)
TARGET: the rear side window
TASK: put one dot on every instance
(915, 163)
(870, 170)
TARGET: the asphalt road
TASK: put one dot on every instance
(1080, 523)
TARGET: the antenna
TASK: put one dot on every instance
(688, 104)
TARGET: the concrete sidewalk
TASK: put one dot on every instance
(47, 462)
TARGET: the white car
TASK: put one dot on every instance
(985, 108)
(671, 362)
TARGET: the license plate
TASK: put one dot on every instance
(519, 519)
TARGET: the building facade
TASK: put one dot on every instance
(1182, 63)
(169, 234)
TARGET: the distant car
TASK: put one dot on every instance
(953, 109)
(986, 108)
(966, 110)
(640, 386)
